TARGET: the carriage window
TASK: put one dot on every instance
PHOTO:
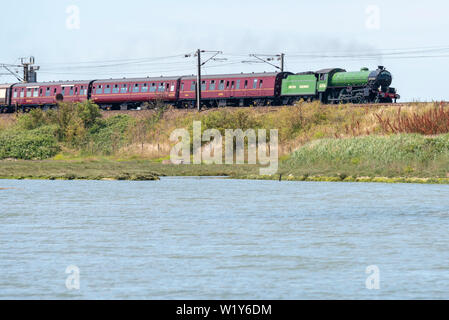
(182, 86)
(172, 88)
(255, 84)
(246, 84)
(36, 92)
(99, 89)
(63, 91)
(136, 88)
(161, 87)
(145, 87)
(76, 90)
(71, 91)
(221, 85)
(168, 86)
(40, 92)
(238, 84)
(153, 87)
(15, 93)
(107, 90)
(227, 84)
(55, 91)
(28, 92)
(115, 89)
(212, 85)
(260, 83)
(203, 86)
(232, 85)
(124, 88)
(193, 86)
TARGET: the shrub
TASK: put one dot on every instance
(107, 136)
(39, 144)
(74, 120)
(225, 119)
(88, 112)
(32, 120)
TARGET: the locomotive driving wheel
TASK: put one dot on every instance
(342, 96)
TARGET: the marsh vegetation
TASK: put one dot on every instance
(341, 142)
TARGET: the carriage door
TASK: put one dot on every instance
(2, 96)
(232, 89)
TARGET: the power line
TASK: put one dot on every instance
(173, 64)
(268, 59)
(115, 68)
(114, 60)
(371, 54)
(140, 63)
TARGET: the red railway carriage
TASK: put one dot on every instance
(49, 93)
(4, 94)
(233, 89)
(133, 92)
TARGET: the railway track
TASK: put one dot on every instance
(274, 108)
(264, 108)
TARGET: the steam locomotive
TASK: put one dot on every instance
(330, 86)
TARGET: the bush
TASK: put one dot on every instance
(74, 120)
(36, 134)
(107, 136)
(29, 145)
(225, 119)
(88, 112)
(35, 119)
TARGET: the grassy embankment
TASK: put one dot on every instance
(317, 143)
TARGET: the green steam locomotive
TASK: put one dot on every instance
(338, 86)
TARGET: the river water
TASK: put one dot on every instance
(192, 238)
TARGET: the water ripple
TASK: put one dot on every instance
(194, 238)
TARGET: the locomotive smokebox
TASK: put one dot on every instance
(380, 78)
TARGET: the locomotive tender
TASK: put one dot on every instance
(284, 88)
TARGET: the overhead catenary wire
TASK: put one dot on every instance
(144, 63)
(172, 64)
(114, 60)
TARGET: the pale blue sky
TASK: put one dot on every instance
(137, 29)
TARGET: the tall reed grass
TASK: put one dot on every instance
(430, 122)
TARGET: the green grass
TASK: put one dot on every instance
(112, 169)
(407, 155)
